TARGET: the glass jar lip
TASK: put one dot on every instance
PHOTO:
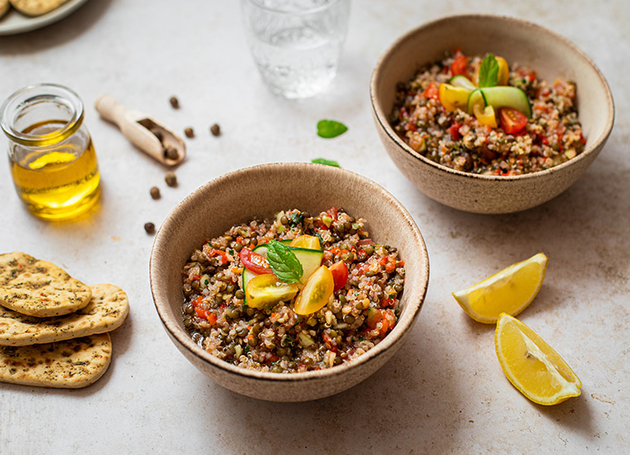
(22, 98)
(260, 4)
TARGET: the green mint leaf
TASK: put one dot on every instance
(326, 162)
(489, 72)
(330, 128)
(284, 263)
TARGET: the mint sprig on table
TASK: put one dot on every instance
(326, 162)
(489, 72)
(330, 128)
(284, 263)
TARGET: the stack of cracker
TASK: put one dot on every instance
(30, 7)
(53, 328)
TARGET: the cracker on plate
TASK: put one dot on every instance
(4, 7)
(107, 310)
(36, 7)
(68, 364)
(39, 288)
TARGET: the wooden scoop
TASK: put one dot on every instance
(143, 131)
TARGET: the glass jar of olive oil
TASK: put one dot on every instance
(52, 159)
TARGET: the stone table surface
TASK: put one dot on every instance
(444, 392)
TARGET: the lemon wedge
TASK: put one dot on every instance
(509, 291)
(531, 365)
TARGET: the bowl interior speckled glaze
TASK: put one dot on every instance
(262, 191)
(549, 54)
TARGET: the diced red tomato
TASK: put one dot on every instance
(460, 66)
(389, 263)
(512, 121)
(582, 140)
(223, 254)
(255, 262)
(333, 212)
(431, 91)
(388, 322)
(340, 274)
(387, 302)
(454, 131)
(205, 314)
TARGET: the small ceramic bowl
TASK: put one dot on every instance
(549, 54)
(262, 191)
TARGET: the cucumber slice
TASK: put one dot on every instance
(508, 97)
(462, 81)
(310, 260)
(501, 97)
(476, 96)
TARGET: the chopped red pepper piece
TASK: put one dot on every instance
(431, 91)
(454, 131)
(460, 66)
(223, 254)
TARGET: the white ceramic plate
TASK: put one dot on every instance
(14, 22)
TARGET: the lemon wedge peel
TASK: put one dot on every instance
(532, 366)
(510, 290)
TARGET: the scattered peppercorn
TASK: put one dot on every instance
(215, 130)
(149, 227)
(155, 192)
(174, 102)
(189, 132)
(171, 179)
(171, 153)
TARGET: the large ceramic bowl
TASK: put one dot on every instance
(263, 191)
(551, 55)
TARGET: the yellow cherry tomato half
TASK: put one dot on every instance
(266, 290)
(308, 242)
(502, 76)
(453, 97)
(504, 71)
(486, 116)
(316, 293)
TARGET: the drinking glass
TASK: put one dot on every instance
(296, 43)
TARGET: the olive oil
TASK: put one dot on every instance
(57, 180)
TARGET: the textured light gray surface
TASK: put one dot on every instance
(444, 391)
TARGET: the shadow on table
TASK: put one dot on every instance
(121, 340)
(583, 232)
(367, 418)
(57, 33)
(576, 414)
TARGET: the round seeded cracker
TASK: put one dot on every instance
(68, 364)
(39, 288)
(36, 7)
(4, 7)
(107, 310)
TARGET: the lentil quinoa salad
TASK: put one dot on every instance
(245, 303)
(481, 116)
